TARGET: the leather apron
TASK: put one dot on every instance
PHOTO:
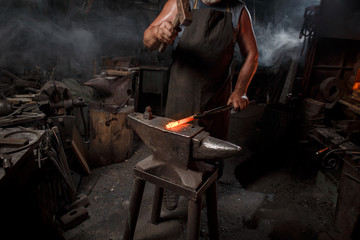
(199, 75)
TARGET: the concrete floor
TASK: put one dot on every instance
(274, 205)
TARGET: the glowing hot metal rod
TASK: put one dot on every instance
(174, 124)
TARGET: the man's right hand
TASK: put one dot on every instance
(165, 32)
(161, 29)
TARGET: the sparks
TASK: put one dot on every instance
(171, 125)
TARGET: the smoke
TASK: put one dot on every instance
(37, 33)
(29, 42)
(60, 34)
(277, 29)
(274, 43)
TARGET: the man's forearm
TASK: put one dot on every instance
(150, 40)
(160, 31)
(246, 74)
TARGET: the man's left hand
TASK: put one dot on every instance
(239, 101)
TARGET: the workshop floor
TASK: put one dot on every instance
(275, 205)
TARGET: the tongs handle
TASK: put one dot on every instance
(213, 111)
(216, 110)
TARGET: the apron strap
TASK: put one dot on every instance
(195, 4)
(227, 8)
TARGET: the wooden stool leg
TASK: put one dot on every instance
(194, 217)
(156, 210)
(211, 207)
(135, 203)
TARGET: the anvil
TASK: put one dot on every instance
(113, 89)
(179, 154)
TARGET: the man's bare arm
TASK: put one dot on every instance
(248, 47)
(160, 30)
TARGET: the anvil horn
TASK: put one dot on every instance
(206, 147)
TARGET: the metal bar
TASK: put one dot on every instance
(332, 146)
(13, 142)
(217, 110)
(352, 107)
(352, 177)
(213, 111)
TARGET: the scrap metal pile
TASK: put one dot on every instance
(36, 101)
(17, 95)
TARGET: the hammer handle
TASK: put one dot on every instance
(175, 24)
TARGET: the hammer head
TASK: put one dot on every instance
(184, 12)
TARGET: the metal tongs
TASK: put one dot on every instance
(213, 111)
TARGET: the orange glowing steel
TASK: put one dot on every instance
(357, 81)
(171, 125)
(356, 86)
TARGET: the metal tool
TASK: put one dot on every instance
(332, 146)
(198, 115)
(213, 111)
(174, 124)
(182, 18)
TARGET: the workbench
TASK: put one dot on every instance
(20, 175)
(346, 175)
(16, 148)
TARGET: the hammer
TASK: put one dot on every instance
(182, 18)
